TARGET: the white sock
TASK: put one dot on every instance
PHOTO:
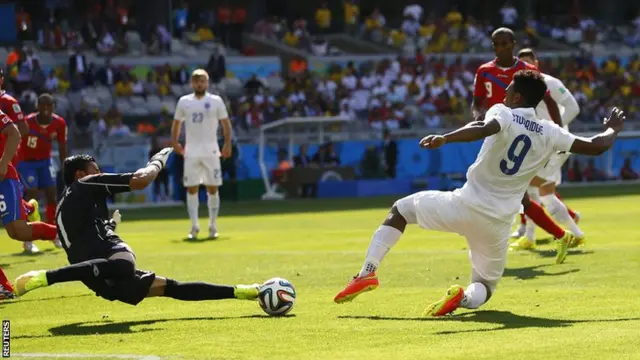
(530, 230)
(213, 202)
(381, 242)
(559, 211)
(192, 209)
(474, 296)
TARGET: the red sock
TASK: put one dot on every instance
(27, 207)
(51, 214)
(542, 219)
(43, 231)
(571, 212)
(523, 219)
(3, 277)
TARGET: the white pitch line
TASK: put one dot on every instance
(86, 356)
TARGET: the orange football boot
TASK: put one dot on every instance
(356, 287)
(449, 302)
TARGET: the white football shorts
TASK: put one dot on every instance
(552, 171)
(488, 238)
(202, 171)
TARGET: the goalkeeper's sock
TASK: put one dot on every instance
(195, 291)
(192, 208)
(382, 241)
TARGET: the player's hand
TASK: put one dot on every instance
(116, 217)
(177, 147)
(226, 151)
(161, 157)
(3, 170)
(433, 141)
(616, 120)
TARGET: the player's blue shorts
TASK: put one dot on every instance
(38, 174)
(11, 208)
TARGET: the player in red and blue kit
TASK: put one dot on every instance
(490, 86)
(35, 166)
(12, 210)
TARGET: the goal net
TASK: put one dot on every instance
(287, 134)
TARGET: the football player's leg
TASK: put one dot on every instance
(13, 216)
(6, 290)
(574, 214)
(213, 180)
(120, 265)
(192, 179)
(536, 213)
(46, 178)
(560, 212)
(198, 291)
(527, 241)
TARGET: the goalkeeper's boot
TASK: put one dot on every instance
(522, 244)
(35, 214)
(357, 286)
(246, 292)
(449, 302)
(563, 246)
(30, 281)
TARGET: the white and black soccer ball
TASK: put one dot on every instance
(277, 296)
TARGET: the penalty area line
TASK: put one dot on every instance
(85, 356)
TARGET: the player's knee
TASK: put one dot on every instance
(19, 230)
(122, 268)
(192, 190)
(212, 190)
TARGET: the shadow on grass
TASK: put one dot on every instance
(506, 319)
(20, 300)
(110, 327)
(44, 252)
(26, 261)
(534, 272)
(551, 253)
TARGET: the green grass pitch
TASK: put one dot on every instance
(586, 308)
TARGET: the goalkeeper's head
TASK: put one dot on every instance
(78, 166)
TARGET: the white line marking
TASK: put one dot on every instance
(86, 356)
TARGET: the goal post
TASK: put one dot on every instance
(292, 131)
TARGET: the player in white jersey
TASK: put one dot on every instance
(201, 112)
(517, 145)
(543, 186)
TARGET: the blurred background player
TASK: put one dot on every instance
(36, 167)
(97, 256)
(543, 186)
(201, 112)
(10, 106)
(490, 85)
(11, 203)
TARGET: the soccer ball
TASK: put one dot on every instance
(277, 296)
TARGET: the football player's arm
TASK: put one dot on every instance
(597, 144)
(552, 106)
(12, 134)
(223, 115)
(176, 127)
(473, 131)
(479, 95)
(15, 114)
(62, 141)
(570, 106)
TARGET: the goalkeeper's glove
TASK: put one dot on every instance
(116, 218)
(160, 158)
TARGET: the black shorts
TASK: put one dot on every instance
(130, 291)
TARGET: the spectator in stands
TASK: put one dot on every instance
(351, 16)
(181, 76)
(154, 46)
(253, 85)
(290, 38)
(302, 159)
(323, 18)
(51, 85)
(89, 30)
(38, 78)
(370, 164)
(509, 15)
(165, 38)
(107, 43)
(374, 25)
(390, 149)
(238, 21)
(181, 17)
(626, 172)
(162, 181)
(331, 156)
(83, 120)
(151, 85)
(107, 75)
(23, 23)
(137, 87)
(224, 24)
(216, 67)
(347, 111)
(119, 129)
(591, 173)
(320, 46)
(124, 87)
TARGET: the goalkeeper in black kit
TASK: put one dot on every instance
(98, 257)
